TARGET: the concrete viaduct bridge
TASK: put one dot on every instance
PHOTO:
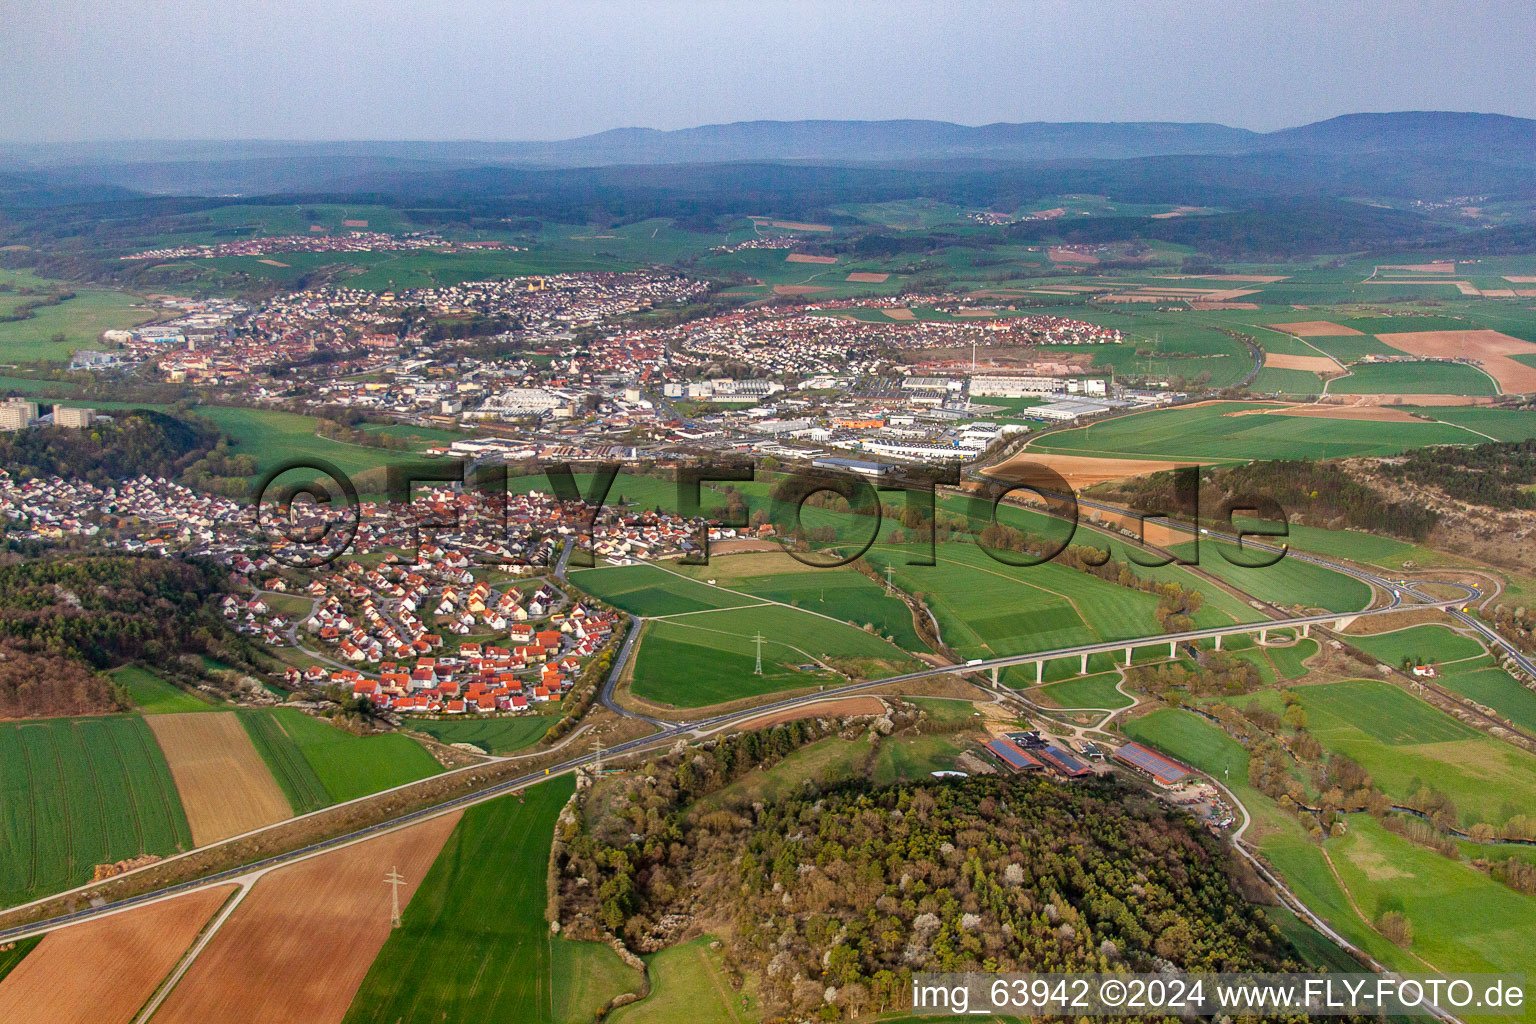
(1302, 624)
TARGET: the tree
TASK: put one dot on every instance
(1296, 717)
(1395, 928)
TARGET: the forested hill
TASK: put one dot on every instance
(833, 896)
(1311, 493)
(63, 619)
(134, 443)
(1497, 475)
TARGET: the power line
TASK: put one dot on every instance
(759, 669)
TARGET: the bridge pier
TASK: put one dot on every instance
(1039, 671)
(1173, 648)
(1306, 627)
(1082, 669)
(1218, 641)
(1263, 636)
(994, 677)
(1127, 657)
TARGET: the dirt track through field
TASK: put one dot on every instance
(297, 948)
(1420, 268)
(224, 784)
(1313, 329)
(1369, 413)
(1490, 348)
(103, 971)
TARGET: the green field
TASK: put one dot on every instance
(411, 432)
(272, 438)
(152, 695)
(1462, 920)
(1406, 744)
(1275, 381)
(317, 764)
(688, 984)
(292, 772)
(492, 735)
(649, 590)
(708, 657)
(1493, 424)
(987, 609)
(392, 270)
(1348, 544)
(842, 593)
(1413, 379)
(1288, 661)
(911, 759)
(1481, 680)
(11, 957)
(1193, 740)
(1432, 643)
(77, 792)
(475, 946)
(1096, 691)
(80, 319)
(1289, 581)
(628, 490)
(1206, 433)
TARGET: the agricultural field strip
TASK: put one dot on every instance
(704, 611)
(1304, 341)
(72, 768)
(697, 729)
(1035, 444)
(297, 817)
(722, 632)
(163, 991)
(758, 602)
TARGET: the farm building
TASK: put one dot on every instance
(1016, 758)
(1164, 771)
(1062, 762)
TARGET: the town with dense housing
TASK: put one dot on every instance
(744, 573)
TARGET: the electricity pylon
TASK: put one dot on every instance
(394, 880)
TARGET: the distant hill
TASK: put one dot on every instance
(1493, 137)
(263, 167)
(885, 141)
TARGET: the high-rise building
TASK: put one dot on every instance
(64, 416)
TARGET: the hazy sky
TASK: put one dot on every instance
(471, 69)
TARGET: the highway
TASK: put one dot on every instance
(668, 733)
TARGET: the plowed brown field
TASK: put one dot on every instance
(1085, 470)
(299, 945)
(1317, 364)
(1490, 348)
(103, 971)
